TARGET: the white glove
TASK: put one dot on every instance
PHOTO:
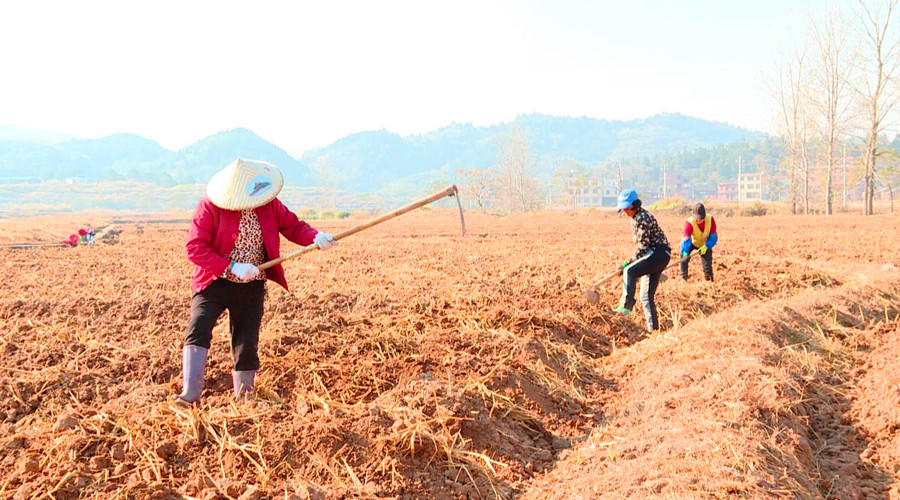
(244, 271)
(324, 241)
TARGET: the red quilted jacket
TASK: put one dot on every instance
(214, 231)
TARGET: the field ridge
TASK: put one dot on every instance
(412, 362)
(757, 401)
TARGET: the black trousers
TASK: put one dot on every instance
(705, 259)
(648, 268)
(244, 302)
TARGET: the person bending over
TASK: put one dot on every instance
(651, 256)
(699, 234)
(236, 228)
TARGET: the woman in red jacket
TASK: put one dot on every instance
(235, 228)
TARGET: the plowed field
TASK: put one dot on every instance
(412, 362)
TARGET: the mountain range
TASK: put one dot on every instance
(368, 161)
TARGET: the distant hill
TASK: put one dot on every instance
(368, 161)
(203, 158)
(132, 157)
(119, 156)
(371, 161)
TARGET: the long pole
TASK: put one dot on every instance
(619, 177)
(844, 175)
(761, 173)
(665, 184)
(448, 191)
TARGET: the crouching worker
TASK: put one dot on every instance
(699, 234)
(650, 258)
(236, 228)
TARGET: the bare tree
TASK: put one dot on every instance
(787, 89)
(578, 183)
(889, 172)
(558, 189)
(561, 184)
(521, 192)
(331, 180)
(831, 76)
(478, 185)
(878, 85)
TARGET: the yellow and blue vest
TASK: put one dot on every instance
(698, 237)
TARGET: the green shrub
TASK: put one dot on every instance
(724, 212)
(674, 204)
(313, 214)
(669, 203)
(754, 210)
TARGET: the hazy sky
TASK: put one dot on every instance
(304, 74)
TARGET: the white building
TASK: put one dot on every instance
(591, 191)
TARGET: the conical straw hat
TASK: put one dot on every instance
(244, 184)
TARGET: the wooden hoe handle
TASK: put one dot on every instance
(606, 278)
(448, 191)
(593, 296)
(619, 273)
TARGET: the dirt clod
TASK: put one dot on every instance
(121, 469)
(211, 494)
(561, 444)
(16, 443)
(24, 491)
(117, 452)
(235, 488)
(252, 493)
(28, 465)
(65, 422)
(312, 493)
(166, 450)
(100, 462)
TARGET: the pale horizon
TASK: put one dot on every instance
(412, 134)
(304, 76)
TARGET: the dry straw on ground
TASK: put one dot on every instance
(411, 362)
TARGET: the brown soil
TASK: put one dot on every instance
(411, 362)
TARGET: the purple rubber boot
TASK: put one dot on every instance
(193, 364)
(243, 382)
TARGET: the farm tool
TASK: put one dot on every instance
(444, 193)
(593, 296)
(30, 245)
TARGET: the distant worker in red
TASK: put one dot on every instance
(235, 228)
(699, 234)
(71, 241)
(86, 235)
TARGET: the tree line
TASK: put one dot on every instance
(837, 86)
(835, 93)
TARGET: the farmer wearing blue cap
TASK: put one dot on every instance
(648, 261)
